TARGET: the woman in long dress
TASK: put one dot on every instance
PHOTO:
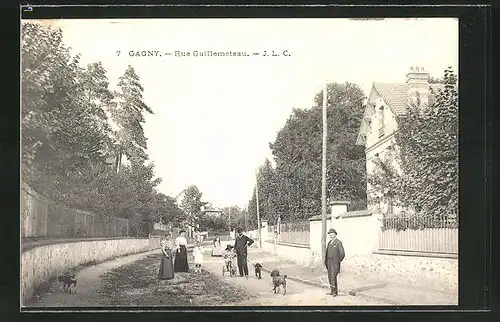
(217, 250)
(181, 263)
(166, 271)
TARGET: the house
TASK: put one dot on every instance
(385, 102)
(210, 210)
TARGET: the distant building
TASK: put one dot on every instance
(160, 226)
(210, 210)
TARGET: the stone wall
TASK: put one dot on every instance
(295, 253)
(39, 264)
(359, 233)
(440, 274)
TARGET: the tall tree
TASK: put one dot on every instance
(297, 151)
(67, 142)
(128, 114)
(64, 135)
(234, 216)
(267, 188)
(191, 204)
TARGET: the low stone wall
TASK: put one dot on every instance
(39, 264)
(295, 253)
(431, 273)
(440, 274)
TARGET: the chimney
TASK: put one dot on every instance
(418, 79)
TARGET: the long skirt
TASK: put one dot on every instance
(166, 271)
(181, 262)
(217, 251)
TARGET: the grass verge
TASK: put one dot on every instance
(136, 284)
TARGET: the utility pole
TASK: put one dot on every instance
(245, 215)
(323, 177)
(229, 218)
(257, 205)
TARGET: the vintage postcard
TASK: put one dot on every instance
(239, 162)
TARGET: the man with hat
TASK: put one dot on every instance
(333, 256)
(240, 246)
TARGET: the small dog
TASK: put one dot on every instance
(278, 280)
(258, 269)
(68, 280)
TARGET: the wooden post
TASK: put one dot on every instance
(46, 219)
(245, 216)
(323, 176)
(257, 205)
(87, 232)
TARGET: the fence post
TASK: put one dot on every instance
(46, 219)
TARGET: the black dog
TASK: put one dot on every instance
(278, 281)
(68, 280)
(258, 269)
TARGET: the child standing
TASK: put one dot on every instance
(228, 258)
(198, 256)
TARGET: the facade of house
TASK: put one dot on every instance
(387, 101)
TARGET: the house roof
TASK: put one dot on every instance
(395, 95)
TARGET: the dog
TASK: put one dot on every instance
(278, 280)
(258, 269)
(68, 281)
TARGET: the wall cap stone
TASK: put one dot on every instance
(28, 245)
(414, 254)
(349, 214)
(339, 202)
(289, 244)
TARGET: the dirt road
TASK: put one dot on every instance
(131, 281)
(87, 290)
(297, 294)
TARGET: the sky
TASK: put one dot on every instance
(214, 117)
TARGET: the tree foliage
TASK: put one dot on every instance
(68, 145)
(427, 142)
(191, 205)
(128, 115)
(235, 217)
(293, 189)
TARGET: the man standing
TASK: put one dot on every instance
(334, 255)
(240, 246)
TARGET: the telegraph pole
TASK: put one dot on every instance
(323, 177)
(257, 204)
(245, 214)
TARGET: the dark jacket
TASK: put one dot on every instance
(334, 255)
(241, 243)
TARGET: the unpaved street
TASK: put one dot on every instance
(88, 280)
(297, 294)
(131, 281)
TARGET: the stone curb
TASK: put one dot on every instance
(353, 292)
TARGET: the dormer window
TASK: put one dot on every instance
(381, 121)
